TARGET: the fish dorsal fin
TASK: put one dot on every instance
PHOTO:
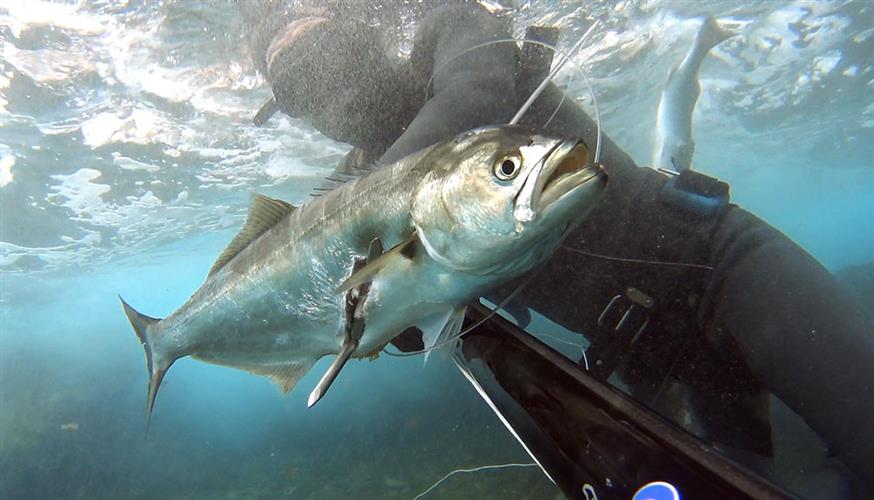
(405, 249)
(264, 213)
(357, 163)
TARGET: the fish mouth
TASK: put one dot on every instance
(567, 169)
(564, 170)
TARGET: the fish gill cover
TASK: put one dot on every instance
(127, 160)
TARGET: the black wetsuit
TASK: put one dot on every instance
(735, 310)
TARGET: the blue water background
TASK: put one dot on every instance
(72, 373)
(387, 429)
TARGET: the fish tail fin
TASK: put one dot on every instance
(712, 34)
(156, 363)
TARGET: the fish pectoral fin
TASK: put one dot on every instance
(331, 373)
(404, 250)
(374, 250)
(441, 328)
(264, 213)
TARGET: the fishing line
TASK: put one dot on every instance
(534, 95)
(568, 342)
(639, 261)
(539, 90)
(457, 336)
(519, 289)
(477, 469)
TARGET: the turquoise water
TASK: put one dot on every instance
(126, 164)
(73, 401)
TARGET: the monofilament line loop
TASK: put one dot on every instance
(518, 116)
(462, 333)
(638, 261)
(477, 469)
(539, 90)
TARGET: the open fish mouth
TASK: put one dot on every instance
(566, 169)
(562, 171)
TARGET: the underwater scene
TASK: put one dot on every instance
(129, 160)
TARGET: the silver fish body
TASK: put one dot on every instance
(446, 217)
(674, 146)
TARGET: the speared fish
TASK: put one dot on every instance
(409, 244)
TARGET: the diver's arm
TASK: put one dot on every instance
(792, 323)
(479, 87)
(472, 90)
(797, 331)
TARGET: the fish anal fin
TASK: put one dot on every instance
(264, 213)
(403, 250)
(286, 375)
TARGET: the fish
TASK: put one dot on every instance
(409, 244)
(674, 146)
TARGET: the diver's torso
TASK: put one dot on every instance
(635, 280)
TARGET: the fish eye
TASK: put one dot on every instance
(507, 168)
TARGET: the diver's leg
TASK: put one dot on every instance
(469, 91)
(794, 327)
